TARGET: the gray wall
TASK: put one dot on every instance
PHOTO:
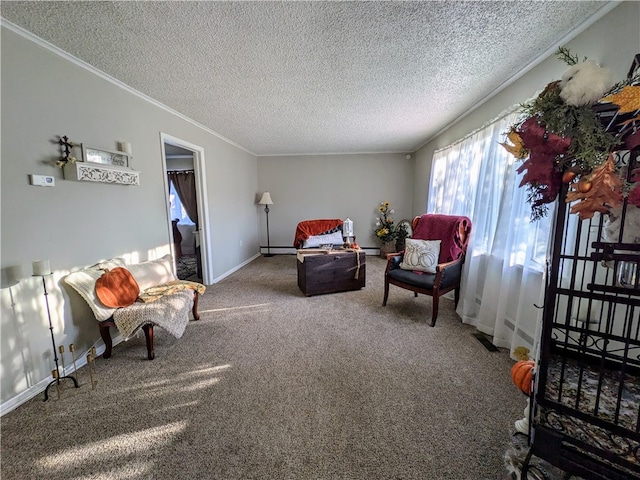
(612, 42)
(333, 186)
(76, 224)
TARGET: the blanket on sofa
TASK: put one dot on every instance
(171, 313)
(152, 294)
(307, 228)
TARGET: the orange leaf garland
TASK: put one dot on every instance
(631, 120)
(628, 99)
(516, 148)
(605, 191)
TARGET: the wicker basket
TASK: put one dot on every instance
(387, 247)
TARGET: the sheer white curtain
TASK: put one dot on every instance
(503, 279)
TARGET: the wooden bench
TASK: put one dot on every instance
(147, 328)
(163, 301)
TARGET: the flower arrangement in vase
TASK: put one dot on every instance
(385, 229)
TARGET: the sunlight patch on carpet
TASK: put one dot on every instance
(229, 309)
(207, 370)
(113, 447)
(200, 385)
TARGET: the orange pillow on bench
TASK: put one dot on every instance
(117, 288)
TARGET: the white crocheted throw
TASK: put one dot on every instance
(170, 312)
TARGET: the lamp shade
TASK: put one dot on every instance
(10, 276)
(266, 199)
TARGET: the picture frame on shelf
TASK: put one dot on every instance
(101, 156)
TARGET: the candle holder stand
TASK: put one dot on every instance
(56, 375)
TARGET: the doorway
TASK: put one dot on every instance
(187, 212)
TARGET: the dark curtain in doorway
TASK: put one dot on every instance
(184, 181)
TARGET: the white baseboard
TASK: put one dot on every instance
(42, 385)
(236, 268)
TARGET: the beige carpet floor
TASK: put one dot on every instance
(271, 384)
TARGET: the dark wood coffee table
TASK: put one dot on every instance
(336, 271)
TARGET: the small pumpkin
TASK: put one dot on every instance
(117, 288)
(522, 375)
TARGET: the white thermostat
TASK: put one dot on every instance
(42, 180)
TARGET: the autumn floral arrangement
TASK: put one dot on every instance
(385, 226)
(563, 138)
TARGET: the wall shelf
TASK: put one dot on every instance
(94, 172)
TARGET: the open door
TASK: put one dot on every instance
(184, 163)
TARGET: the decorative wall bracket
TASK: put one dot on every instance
(93, 172)
(97, 165)
(66, 146)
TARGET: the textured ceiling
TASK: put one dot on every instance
(309, 77)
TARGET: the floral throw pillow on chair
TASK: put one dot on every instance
(421, 255)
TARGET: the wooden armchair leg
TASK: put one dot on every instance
(386, 293)
(194, 310)
(148, 335)
(106, 338)
(434, 313)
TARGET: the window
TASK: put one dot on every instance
(505, 265)
(478, 178)
(177, 210)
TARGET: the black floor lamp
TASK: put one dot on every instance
(266, 201)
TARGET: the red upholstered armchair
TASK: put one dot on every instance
(432, 260)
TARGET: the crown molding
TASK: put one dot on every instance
(105, 76)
